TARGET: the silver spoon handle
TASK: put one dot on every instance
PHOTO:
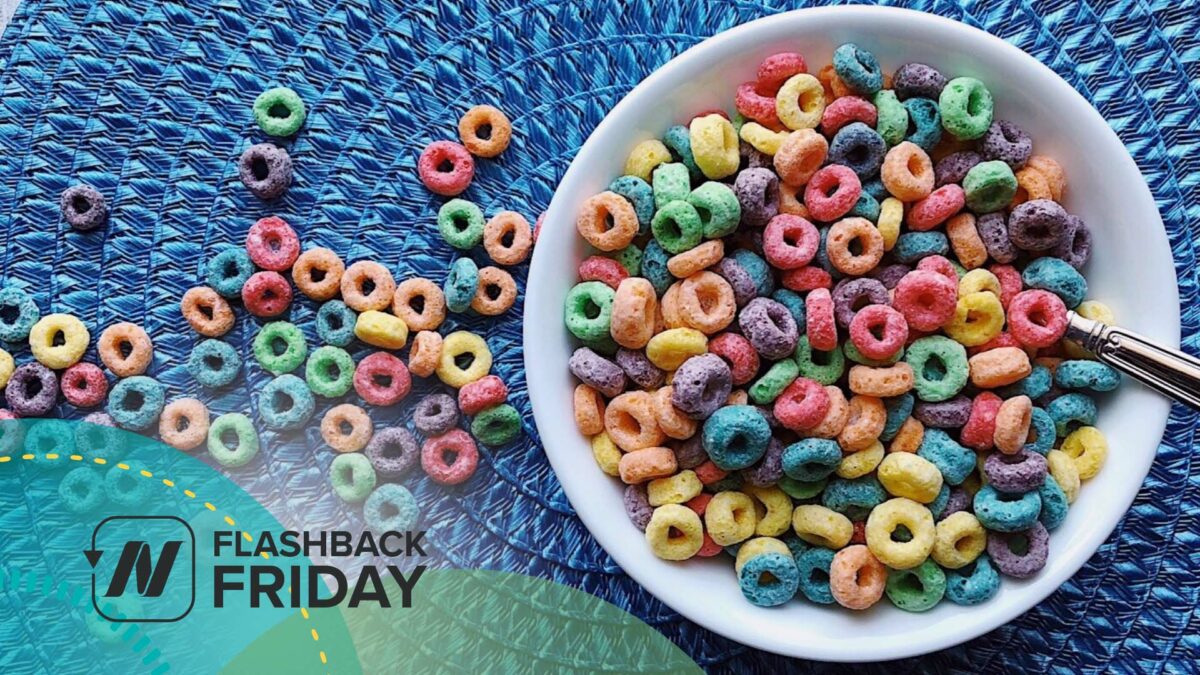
(1167, 371)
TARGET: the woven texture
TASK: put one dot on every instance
(150, 102)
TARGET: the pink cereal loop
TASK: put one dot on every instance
(980, 429)
(774, 70)
(738, 353)
(1010, 282)
(890, 325)
(806, 279)
(940, 265)
(481, 394)
(802, 405)
(819, 322)
(927, 300)
(1037, 318)
(605, 270)
(935, 209)
(845, 110)
(790, 242)
(832, 192)
(272, 244)
(756, 106)
(446, 168)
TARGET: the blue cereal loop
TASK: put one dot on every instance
(953, 460)
(770, 579)
(1034, 385)
(391, 508)
(678, 140)
(638, 193)
(811, 459)
(285, 402)
(335, 323)
(736, 436)
(49, 437)
(939, 503)
(1072, 408)
(214, 364)
(229, 270)
(1042, 426)
(1082, 374)
(1054, 503)
(813, 566)
(757, 268)
(854, 497)
(1007, 512)
(866, 207)
(461, 285)
(858, 68)
(858, 147)
(974, 584)
(926, 122)
(24, 313)
(136, 402)
(127, 487)
(899, 409)
(793, 301)
(1058, 277)
(876, 189)
(912, 246)
(654, 267)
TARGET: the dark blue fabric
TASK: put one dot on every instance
(150, 102)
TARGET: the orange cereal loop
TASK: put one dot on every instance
(420, 303)
(834, 86)
(507, 238)
(630, 421)
(1056, 178)
(1031, 184)
(496, 292)
(634, 311)
(998, 367)
(671, 420)
(695, 259)
(125, 349)
(864, 423)
(965, 240)
(909, 438)
(367, 286)
(206, 311)
(672, 311)
(707, 302)
(846, 232)
(485, 131)
(856, 577)
(646, 464)
(738, 397)
(1012, 424)
(346, 428)
(589, 410)
(607, 221)
(789, 203)
(318, 273)
(835, 418)
(884, 382)
(907, 172)
(800, 156)
(425, 353)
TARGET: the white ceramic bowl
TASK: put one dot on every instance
(1131, 270)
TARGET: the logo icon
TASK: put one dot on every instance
(150, 572)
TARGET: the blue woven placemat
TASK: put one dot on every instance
(149, 101)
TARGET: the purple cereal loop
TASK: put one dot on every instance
(959, 501)
(890, 275)
(690, 453)
(393, 451)
(701, 385)
(751, 158)
(744, 288)
(640, 369)
(637, 506)
(853, 295)
(1025, 565)
(994, 232)
(950, 414)
(597, 372)
(770, 328)
(435, 414)
(757, 192)
(768, 413)
(1006, 142)
(917, 80)
(1076, 245)
(769, 469)
(1037, 225)
(953, 168)
(1015, 474)
(32, 390)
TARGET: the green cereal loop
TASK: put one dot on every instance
(630, 258)
(966, 107)
(228, 428)
(671, 182)
(605, 346)
(989, 186)
(718, 207)
(801, 489)
(330, 372)
(768, 387)
(918, 589)
(497, 425)
(461, 224)
(352, 477)
(677, 227)
(939, 367)
(856, 356)
(279, 112)
(738, 120)
(589, 310)
(892, 117)
(959, 270)
(280, 347)
(825, 373)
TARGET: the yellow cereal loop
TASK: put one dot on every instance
(1088, 447)
(670, 348)
(958, 540)
(1096, 311)
(800, 102)
(674, 532)
(730, 518)
(761, 138)
(380, 329)
(978, 318)
(978, 280)
(907, 474)
(891, 214)
(773, 507)
(7, 366)
(675, 489)
(821, 526)
(1065, 472)
(607, 454)
(644, 157)
(474, 353)
(63, 328)
(861, 463)
(883, 522)
(715, 146)
(756, 547)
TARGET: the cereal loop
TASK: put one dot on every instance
(272, 244)
(907, 172)
(367, 286)
(125, 349)
(800, 102)
(799, 157)
(58, 340)
(715, 146)
(446, 168)
(425, 354)
(318, 273)
(420, 303)
(496, 293)
(856, 577)
(507, 238)
(843, 237)
(607, 221)
(465, 358)
(485, 131)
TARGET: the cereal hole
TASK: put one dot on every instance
(417, 304)
(126, 483)
(125, 348)
(316, 275)
(483, 131)
(259, 168)
(934, 370)
(280, 111)
(389, 510)
(134, 400)
(58, 339)
(206, 311)
(182, 423)
(9, 313)
(507, 239)
(1018, 543)
(464, 361)
(33, 387)
(449, 456)
(345, 428)
(382, 380)
(81, 204)
(445, 166)
(282, 402)
(492, 291)
(902, 534)
(366, 286)
(214, 362)
(278, 346)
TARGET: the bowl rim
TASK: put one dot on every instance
(537, 288)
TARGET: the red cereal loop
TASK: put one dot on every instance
(738, 353)
(819, 322)
(537, 227)
(272, 244)
(937, 208)
(709, 111)
(477, 396)
(802, 405)
(790, 242)
(940, 265)
(860, 528)
(446, 168)
(832, 192)
(709, 473)
(1010, 282)
(756, 106)
(926, 299)
(776, 69)
(878, 331)
(382, 379)
(451, 458)
(84, 385)
(699, 503)
(806, 279)
(980, 428)
(606, 270)
(1037, 318)
(266, 294)
(1004, 339)
(709, 548)
(845, 110)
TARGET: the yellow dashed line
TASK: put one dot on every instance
(147, 474)
(123, 465)
(168, 483)
(190, 494)
(304, 612)
(247, 537)
(51, 455)
(5, 459)
(315, 636)
(76, 458)
(230, 521)
(209, 506)
(323, 659)
(26, 457)
(100, 460)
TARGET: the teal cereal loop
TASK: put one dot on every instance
(939, 367)
(12, 436)
(670, 182)
(94, 440)
(352, 477)
(892, 118)
(285, 403)
(925, 122)
(912, 246)
(125, 486)
(214, 364)
(280, 347)
(823, 367)
(679, 142)
(735, 436)
(589, 310)
(391, 508)
(229, 270)
(654, 267)
(279, 112)
(462, 283)
(854, 496)
(1042, 431)
(1054, 503)
(1081, 374)
(718, 208)
(989, 186)
(677, 227)
(1058, 277)
(793, 301)
(638, 193)
(858, 68)
(461, 224)
(976, 583)
(769, 579)
(1007, 512)
(50, 441)
(811, 459)
(801, 489)
(938, 505)
(813, 565)
(335, 323)
(875, 186)
(82, 490)
(1070, 411)
(136, 402)
(630, 258)
(966, 108)
(856, 356)
(772, 383)
(497, 425)
(918, 589)
(866, 207)
(232, 440)
(954, 461)
(898, 411)
(329, 372)
(757, 268)
(18, 314)
(1034, 385)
